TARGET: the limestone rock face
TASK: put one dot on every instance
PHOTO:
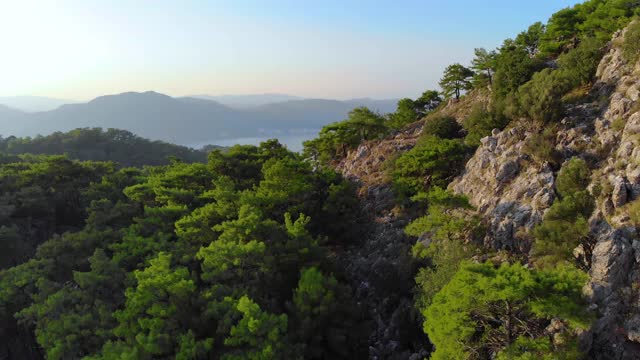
(619, 196)
(615, 269)
(509, 190)
(612, 65)
(512, 193)
(366, 167)
(612, 264)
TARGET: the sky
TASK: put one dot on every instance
(340, 49)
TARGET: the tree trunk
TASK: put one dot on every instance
(508, 325)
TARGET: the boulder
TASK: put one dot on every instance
(619, 196)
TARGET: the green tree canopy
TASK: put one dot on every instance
(444, 127)
(455, 80)
(484, 310)
(428, 101)
(530, 39)
(336, 139)
(484, 63)
(258, 335)
(432, 162)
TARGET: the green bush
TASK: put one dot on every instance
(445, 127)
(432, 162)
(336, 139)
(409, 111)
(565, 224)
(634, 212)
(451, 230)
(541, 146)
(561, 29)
(480, 123)
(514, 67)
(541, 98)
(573, 177)
(602, 18)
(405, 114)
(530, 39)
(631, 45)
(618, 124)
(595, 18)
(578, 66)
(447, 231)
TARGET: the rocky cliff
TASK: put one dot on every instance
(512, 190)
(512, 193)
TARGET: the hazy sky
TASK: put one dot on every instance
(79, 49)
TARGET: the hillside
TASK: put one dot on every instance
(10, 113)
(119, 146)
(496, 219)
(513, 187)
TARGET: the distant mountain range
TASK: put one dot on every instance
(247, 101)
(186, 120)
(33, 103)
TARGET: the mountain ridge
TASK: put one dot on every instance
(33, 104)
(183, 120)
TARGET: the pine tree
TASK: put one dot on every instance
(455, 80)
(484, 311)
(484, 62)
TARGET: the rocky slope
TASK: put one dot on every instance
(380, 267)
(512, 193)
(511, 190)
(615, 269)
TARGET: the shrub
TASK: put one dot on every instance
(573, 177)
(618, 124)
(634, 212)
(556, 239)
(541, 146)
(336, 139)
(595, 18)
(577, 95)
(479, 124)
(409, 111)
(565, 224)
(405, 114)
(578, 66)
(432, 162)
(444, 127)
(514, 67)
(451, 230)
(561, 29)
(631, 45)
(541, 98)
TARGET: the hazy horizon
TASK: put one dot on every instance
(79, 50)
(301, 97)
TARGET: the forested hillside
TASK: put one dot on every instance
(495, 219)
(120, 146)
(184, 260)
